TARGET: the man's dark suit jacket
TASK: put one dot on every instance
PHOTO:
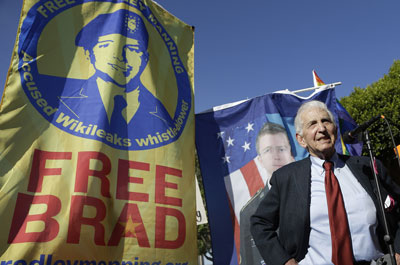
(287, 207)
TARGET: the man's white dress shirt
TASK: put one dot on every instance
(361, 215)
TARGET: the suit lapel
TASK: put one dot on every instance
(367, 182)
(303, 180)
(366, 179)
(356, 167)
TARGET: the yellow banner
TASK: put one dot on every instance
(97, 137)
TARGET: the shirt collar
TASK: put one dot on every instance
(318, 163)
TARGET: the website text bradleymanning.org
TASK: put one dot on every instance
(50, 260)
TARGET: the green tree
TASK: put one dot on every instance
(203, 231)
(379, 98)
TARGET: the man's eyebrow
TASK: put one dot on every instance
(101, 41)
(310, 122)
(269, 146)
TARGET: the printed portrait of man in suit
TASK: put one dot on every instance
(273, 148)
(274, 151)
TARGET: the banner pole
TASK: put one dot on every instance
(332, 85)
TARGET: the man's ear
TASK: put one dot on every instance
(300, 140)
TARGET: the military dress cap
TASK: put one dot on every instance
(124, 22)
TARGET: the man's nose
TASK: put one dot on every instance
(120, 54)
(277, 156)
(321, 126)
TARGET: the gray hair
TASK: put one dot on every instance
(298, 123)
(270, 128)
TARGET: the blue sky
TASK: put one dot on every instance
(245, 49)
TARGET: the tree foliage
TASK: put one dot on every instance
(203, 231)
(379, 98)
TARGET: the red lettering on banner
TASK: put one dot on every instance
(91, 214)
(162, 184)
(130, 224)
(39, 170)
(83, 172)
(22, 217)
(124, 179)
(77, 219)
(161, 225)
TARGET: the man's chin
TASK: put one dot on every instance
(328, 152)
(122, 81)
(275, 168)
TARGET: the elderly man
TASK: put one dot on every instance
(325, 206)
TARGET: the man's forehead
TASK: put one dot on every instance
(314, 114)
(118, 37)
(269, 139)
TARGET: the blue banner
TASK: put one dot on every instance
(233, 170)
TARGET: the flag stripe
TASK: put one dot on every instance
(241, 185)
(237, 190)
(252, 177)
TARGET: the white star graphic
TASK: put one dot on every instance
(230, 141)
(226, 159)
(250, 127)
(220, 134)
(246, 146)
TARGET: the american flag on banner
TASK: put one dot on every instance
(246, 176)
(231, 171)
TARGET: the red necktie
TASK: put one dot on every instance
(342, 253)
